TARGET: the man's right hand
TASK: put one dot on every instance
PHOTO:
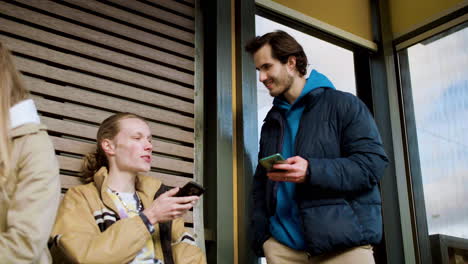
(167, 207)
(293, 170)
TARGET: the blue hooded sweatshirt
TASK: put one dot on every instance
(285, 225)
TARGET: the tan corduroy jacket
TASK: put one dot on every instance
(88, 228)
(29, 197)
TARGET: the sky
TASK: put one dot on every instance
(439, 83)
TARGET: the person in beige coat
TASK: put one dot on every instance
(121, 216)
(29, 173)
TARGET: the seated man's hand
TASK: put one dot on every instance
(293, 170)
(167, 207)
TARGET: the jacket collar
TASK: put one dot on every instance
(22, 113)
(310, 99)
(100, 178)
(146, 187)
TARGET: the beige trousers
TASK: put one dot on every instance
(277, 253)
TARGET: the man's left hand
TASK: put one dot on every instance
(293, 170)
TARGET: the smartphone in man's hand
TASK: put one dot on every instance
(190, 189)
(269, 161)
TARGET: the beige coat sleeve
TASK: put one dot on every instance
(184, 248)
(81, 241)
(33, 206)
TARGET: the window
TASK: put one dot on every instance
(436, 88)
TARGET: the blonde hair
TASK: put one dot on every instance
(108, 129)
(12, 91)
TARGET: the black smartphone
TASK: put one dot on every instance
(268, 162)
(189, 189)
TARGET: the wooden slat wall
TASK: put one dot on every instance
(85, 60)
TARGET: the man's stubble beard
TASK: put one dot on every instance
(288, 84)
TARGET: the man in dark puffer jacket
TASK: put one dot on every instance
(324, 205)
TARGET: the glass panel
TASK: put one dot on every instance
(439, 81)
(335, 62)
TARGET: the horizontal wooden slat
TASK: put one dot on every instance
(109, 25)
(102, 85)
(68, 181)
(67, 163)
(107, 102)
(94, 51)
(97, 116)
(95, 67)
(72, 146)
(72, 181)
(135, 19)
(74, 164)
(78, 147)
(71, 128)
(104, 101)
(95, 36)
(156, 13)
(178, 7)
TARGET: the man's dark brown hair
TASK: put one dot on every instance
(282, 47)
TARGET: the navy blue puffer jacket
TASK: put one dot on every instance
(339, 203)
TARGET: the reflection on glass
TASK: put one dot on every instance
(439, 81)
(335, 62)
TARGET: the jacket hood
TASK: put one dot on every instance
(315, 80)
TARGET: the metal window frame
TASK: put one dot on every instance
(247, 146)
(218, 129)
(198, 215)
(399, 236)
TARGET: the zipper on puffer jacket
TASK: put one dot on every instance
(279, 148)
(311, 102)
(274, 118)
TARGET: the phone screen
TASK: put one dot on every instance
(268, 162)
(190, 189)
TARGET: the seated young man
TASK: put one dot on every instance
(121, 216)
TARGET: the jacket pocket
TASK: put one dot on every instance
(329, 225)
